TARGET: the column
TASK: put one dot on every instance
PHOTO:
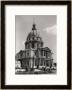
(35, 45)
(40, 61)
(29, 63)
(34, 62)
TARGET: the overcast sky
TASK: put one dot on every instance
(46, 26)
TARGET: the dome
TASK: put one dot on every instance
(33, 39)
(34, 35)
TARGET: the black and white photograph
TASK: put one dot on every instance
(36, 37)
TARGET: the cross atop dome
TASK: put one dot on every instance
(34, 25)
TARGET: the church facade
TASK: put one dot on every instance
(35, 55)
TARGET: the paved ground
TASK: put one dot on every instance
(37, 71)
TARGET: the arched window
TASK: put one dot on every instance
(32, 45)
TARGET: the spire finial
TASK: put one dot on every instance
(33, 20)
(34, 28)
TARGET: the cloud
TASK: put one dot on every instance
(51, 30)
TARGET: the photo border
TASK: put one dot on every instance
(3, 3)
